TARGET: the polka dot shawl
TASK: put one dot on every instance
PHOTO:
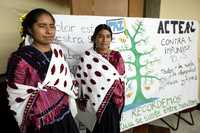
(95, 76)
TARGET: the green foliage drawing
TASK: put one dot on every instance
(136, 40)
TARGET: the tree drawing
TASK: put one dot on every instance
(146, 78)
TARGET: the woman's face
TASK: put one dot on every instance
(103, 40)
(43, 31)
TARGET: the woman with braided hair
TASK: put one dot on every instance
(99, 75)
(39, 82)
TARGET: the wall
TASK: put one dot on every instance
(180, 9)
(10, 11)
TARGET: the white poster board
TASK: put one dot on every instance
(160, 58)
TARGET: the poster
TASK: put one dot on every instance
(160, 58)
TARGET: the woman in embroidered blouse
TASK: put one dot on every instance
(108, 111)
(39, 88)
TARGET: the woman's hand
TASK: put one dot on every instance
(81, 103)
(75, 83)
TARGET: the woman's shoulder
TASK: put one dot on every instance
(16, 56)
(21, 50)
(114, 52)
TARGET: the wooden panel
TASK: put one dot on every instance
(82, 7)
(132, 8)
(111, 7)
(136, 8)
(100, 7)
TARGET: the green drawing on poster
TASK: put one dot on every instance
(139, 99)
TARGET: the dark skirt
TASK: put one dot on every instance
(110, 121)
(65, 123)
(8, 122)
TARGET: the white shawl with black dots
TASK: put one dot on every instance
(58, 75)
(95, 76)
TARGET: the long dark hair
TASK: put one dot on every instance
(30, 19)
(97, 30)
